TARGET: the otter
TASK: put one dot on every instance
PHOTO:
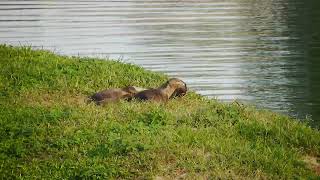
(115, 94)
(172, 88)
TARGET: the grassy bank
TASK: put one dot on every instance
(49, 131)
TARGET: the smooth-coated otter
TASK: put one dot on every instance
(179, 92)
(173, 87)
(115, 94)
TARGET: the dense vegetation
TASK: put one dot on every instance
(48, 130)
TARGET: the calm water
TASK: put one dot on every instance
(262, 52)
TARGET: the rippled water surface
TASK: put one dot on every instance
(262, 52)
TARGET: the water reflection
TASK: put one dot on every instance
(264, 52)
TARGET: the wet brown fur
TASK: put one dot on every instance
(172, 88)
(113, 95)
(179, 92)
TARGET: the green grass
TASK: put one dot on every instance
(49, 131)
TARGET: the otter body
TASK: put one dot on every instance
(114, 94)
(172, 88)
(151, 94)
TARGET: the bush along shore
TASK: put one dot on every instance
(50, 131)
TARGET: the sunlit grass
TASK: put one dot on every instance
(48, 130)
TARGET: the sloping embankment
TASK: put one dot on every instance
(49, 131)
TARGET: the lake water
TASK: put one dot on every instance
(263, 52)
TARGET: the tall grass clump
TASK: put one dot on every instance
(48, 129)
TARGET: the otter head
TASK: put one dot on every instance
(180, 92)
(179, 86)
(130, 90)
